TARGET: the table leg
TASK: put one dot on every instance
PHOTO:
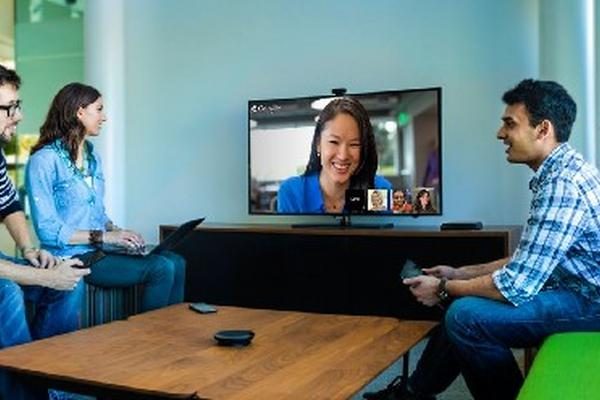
(405, 361)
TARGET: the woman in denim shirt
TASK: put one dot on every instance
(65, 186)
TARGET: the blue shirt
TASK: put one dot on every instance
(61, 200)
(560, 245)
(302, 194)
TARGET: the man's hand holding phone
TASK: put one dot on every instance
(442, 271)
(64, 276)
(424, 288)
(424, 283)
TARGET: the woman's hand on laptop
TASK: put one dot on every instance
(124, 238)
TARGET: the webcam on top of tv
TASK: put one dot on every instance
(339, 92)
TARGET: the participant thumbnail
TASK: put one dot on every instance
(424, 200)
(401, 202)
(378, 200)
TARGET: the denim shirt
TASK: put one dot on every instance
(61, 200)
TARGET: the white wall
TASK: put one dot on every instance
(192, 66)
(564, 42)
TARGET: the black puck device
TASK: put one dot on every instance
(240, 337)
(461, 226)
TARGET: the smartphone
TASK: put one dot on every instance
(89, 258)
(410, 270)
(203, 308)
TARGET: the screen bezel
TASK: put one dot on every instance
(439, 204)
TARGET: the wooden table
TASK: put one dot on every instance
(171, 353)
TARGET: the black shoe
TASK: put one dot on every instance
(395, 390)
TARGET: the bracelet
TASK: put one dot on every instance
(26, 249)
(96, 237)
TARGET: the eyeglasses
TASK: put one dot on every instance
(11, 109)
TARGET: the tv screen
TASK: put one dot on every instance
(353, 154)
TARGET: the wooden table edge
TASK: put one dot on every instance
(56, 381)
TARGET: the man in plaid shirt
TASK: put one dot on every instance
(550, 284)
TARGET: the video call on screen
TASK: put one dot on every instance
(406, 126)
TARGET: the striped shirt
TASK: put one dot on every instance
(560, 244)
(9, 200)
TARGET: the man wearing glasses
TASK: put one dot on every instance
(50, 285)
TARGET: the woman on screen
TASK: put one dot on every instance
(423, 204)
(343, 156)
(65, 185)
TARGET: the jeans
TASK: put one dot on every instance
(162, 275)
(55, 312)
(477, 335)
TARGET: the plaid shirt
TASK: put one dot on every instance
(560, 245)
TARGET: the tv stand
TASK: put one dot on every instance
(339, 271)
(345, 222)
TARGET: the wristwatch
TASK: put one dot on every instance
(442, 293)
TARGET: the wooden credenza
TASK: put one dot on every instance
(331, 270)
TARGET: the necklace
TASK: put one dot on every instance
(333, 204)
(84, 173)
(84, 169)
(333, 195)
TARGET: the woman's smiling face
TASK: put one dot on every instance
(340, 149)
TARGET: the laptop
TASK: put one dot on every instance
(167, 243)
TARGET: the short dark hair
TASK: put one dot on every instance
(9, 76)
(545, 100)
(364, 176)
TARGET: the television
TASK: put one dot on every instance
(288, 170)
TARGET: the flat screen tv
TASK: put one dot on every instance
(342, 154)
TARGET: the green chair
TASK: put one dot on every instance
(567, 367)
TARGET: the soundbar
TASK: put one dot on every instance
(461, 226)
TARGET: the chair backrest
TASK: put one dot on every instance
(102, 305)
